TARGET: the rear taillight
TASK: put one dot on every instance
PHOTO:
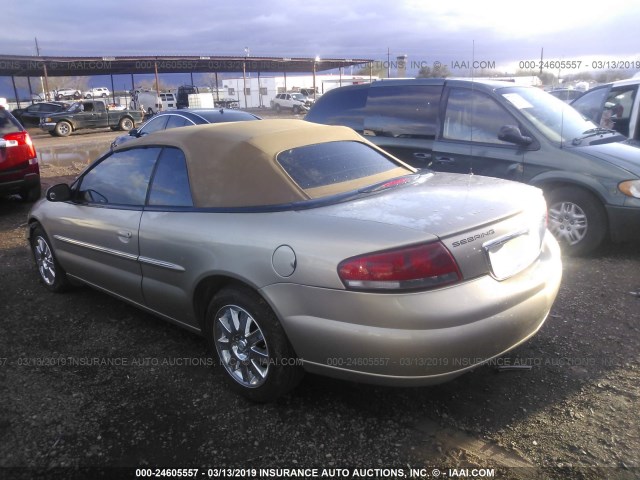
(20, 148)
(419, 267)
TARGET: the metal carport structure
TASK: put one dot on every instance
(38, 66)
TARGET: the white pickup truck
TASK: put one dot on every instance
(613, 105)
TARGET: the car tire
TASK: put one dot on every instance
(255, 355)
(32, 194)
(88, 95)
(125, 124)
(278, 108)
(296, 109)
(51, 274)
(104, 95)
(577, 219)
(77, 95)
(63, 129)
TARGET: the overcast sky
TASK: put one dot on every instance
(503, 31)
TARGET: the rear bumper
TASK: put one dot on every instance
(624, 223)
(418, 338)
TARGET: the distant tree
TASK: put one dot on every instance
(437, 72)
(378, 69)
(151, 85)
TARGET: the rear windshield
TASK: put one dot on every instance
(215, 116)
(8, 124)
(343, 166)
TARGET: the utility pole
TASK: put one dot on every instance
(46, 78)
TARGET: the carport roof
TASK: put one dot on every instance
(23, 66)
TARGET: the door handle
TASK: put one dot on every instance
(125, 234)
(422, 155)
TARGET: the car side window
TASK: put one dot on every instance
(408, 111)
(154, 125)
(617, 108)
(120, 179)
(170, 184)
(176, 121)
(590, 104)
(473, 116)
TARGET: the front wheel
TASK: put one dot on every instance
(125, 124)
(296, 109)
(577, 219)
(63, 129)
(51, 273)
(253, 350)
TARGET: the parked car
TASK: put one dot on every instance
(296, 102)
(32, 115)
(168, 101)
(613, 105)
(97, 92)
(567, 95)
(68, 94)
(89, 114)
(19, 169)
(590, 179)
(182, 97)
(184, 118)
(146, 101)
(292, 246)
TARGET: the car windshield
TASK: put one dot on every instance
(75, 107)
(338, 167)
(556, 120)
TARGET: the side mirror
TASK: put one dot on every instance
(59, 193)
(133, 132)
(512, 134)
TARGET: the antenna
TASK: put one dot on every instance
(473, 107)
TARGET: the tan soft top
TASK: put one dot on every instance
(234, 164)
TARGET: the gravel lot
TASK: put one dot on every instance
(87, 381)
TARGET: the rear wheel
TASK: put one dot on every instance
(577, 219)
(51, 273)
(125, 124)
(32, 194)
(253, 350)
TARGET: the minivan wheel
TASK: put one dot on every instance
(577, 219)
(51, 274)
(253, 350)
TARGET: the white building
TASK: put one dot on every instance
(260, 90)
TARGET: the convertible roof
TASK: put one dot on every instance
(234, 164)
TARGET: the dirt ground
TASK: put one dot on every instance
(88, 382)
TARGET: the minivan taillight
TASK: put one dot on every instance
(419, 267)
(19, 149)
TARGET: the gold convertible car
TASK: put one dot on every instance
(296, 247)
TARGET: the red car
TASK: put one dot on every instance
(19, 169)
